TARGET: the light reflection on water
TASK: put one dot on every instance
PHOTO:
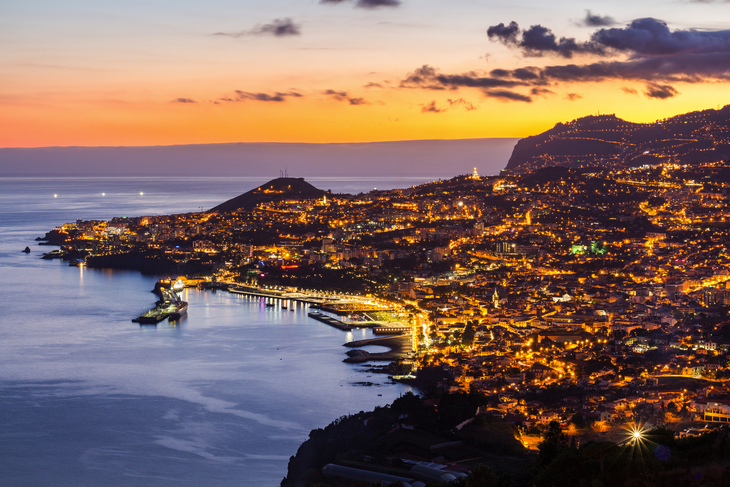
(221, 397)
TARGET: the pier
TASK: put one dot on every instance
(329, 321)
(264, 293)
(391, 330)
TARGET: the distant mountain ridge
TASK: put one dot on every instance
(278, 189)
(608, 141)
(428, 158)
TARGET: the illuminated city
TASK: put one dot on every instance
(594, 298)
(359, 243)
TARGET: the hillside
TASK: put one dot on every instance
(608, 141)
(278, 189)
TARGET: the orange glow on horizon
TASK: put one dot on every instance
(390, 114)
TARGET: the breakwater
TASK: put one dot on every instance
(400, 347)
(329, 321)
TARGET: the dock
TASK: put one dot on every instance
(284, 296)
(329, 321)
(391, 330)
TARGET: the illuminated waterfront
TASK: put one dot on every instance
(223, 398)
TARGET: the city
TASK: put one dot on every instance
(595, 298)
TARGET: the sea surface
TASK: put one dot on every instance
(87, 397)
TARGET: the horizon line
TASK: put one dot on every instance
(254, 143)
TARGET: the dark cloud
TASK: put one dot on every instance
(642, 39)
(453, 104)
(539, 40)
(523, 74)
(573, 96)
(337, 95)
(629, 91)
(507, 34)
(653, 53)
(428, 77)
(277, 28)
(373, 85)
(508, 95)
(595, 20)
(541, 92)
(343, 96)
(649, 52)
(465, 104)
(368, 3)
(662, 92)
(245, 95)
(431, 108)
(184, 100)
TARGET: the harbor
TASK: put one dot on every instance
(351, 313)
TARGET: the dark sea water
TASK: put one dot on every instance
(89, 398)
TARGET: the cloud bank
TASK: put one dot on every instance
(646, 50)
(343, 96)
(275, 97)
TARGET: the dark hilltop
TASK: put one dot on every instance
(279, 189)
(608, 141)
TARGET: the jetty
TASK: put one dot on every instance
(329, 321)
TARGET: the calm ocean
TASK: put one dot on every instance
(89, 398)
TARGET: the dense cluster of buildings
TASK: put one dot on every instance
(580, 296)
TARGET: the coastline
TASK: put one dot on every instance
(164, 387)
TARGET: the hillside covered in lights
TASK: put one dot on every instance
(608, 141)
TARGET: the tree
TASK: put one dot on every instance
(481, 476)
(467, 338)
(578, 420)
(553, 442)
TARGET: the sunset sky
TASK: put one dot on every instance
(160, 72)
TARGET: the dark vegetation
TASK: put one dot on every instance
(411, 427)
(378, 440)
